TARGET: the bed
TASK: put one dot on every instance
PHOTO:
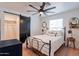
(46, 44)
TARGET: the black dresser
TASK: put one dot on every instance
(10, 48)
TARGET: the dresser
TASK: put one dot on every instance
(11, 47)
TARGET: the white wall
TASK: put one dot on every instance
(35, 25)
(67, 16)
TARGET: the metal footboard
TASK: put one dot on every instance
(49, 46)
(34, 39)
(44, 43)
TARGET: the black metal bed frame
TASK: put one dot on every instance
(44, 43)
(33, 38)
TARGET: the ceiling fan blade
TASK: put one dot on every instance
(49, 12)
(31, 11)
(45, 14)
(33, 7)
(48, 3)
(35, 13)
(43, 4)
(49, 8)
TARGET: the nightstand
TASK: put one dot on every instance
(72, 40)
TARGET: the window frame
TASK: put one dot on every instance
(58, 27)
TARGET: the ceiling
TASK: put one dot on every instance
(22, 7)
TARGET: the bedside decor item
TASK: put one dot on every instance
(74, 22)
(70, 33)
(72, 40)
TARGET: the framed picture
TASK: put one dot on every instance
(44, 24)
(74, 22)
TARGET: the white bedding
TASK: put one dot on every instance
(46, 38)
(56, 42)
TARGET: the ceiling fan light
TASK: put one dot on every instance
(41, 13)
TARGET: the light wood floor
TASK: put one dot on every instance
(63, 51)
(28, 52)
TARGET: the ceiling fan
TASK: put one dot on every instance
(42, 9)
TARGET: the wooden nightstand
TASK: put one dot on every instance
(72, 40)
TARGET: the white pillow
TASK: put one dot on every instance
(60, 33)
(50, 33)
(57, 32)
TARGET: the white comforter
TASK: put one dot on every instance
(56, 42)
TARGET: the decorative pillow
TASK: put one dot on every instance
(55, 33)
(60, 33)
(50, 33)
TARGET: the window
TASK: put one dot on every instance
(56, 24)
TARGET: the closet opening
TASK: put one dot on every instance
(24, 28)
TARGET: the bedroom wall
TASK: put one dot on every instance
(35, 25)
(66, 16)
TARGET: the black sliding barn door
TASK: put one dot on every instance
(24, 28)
